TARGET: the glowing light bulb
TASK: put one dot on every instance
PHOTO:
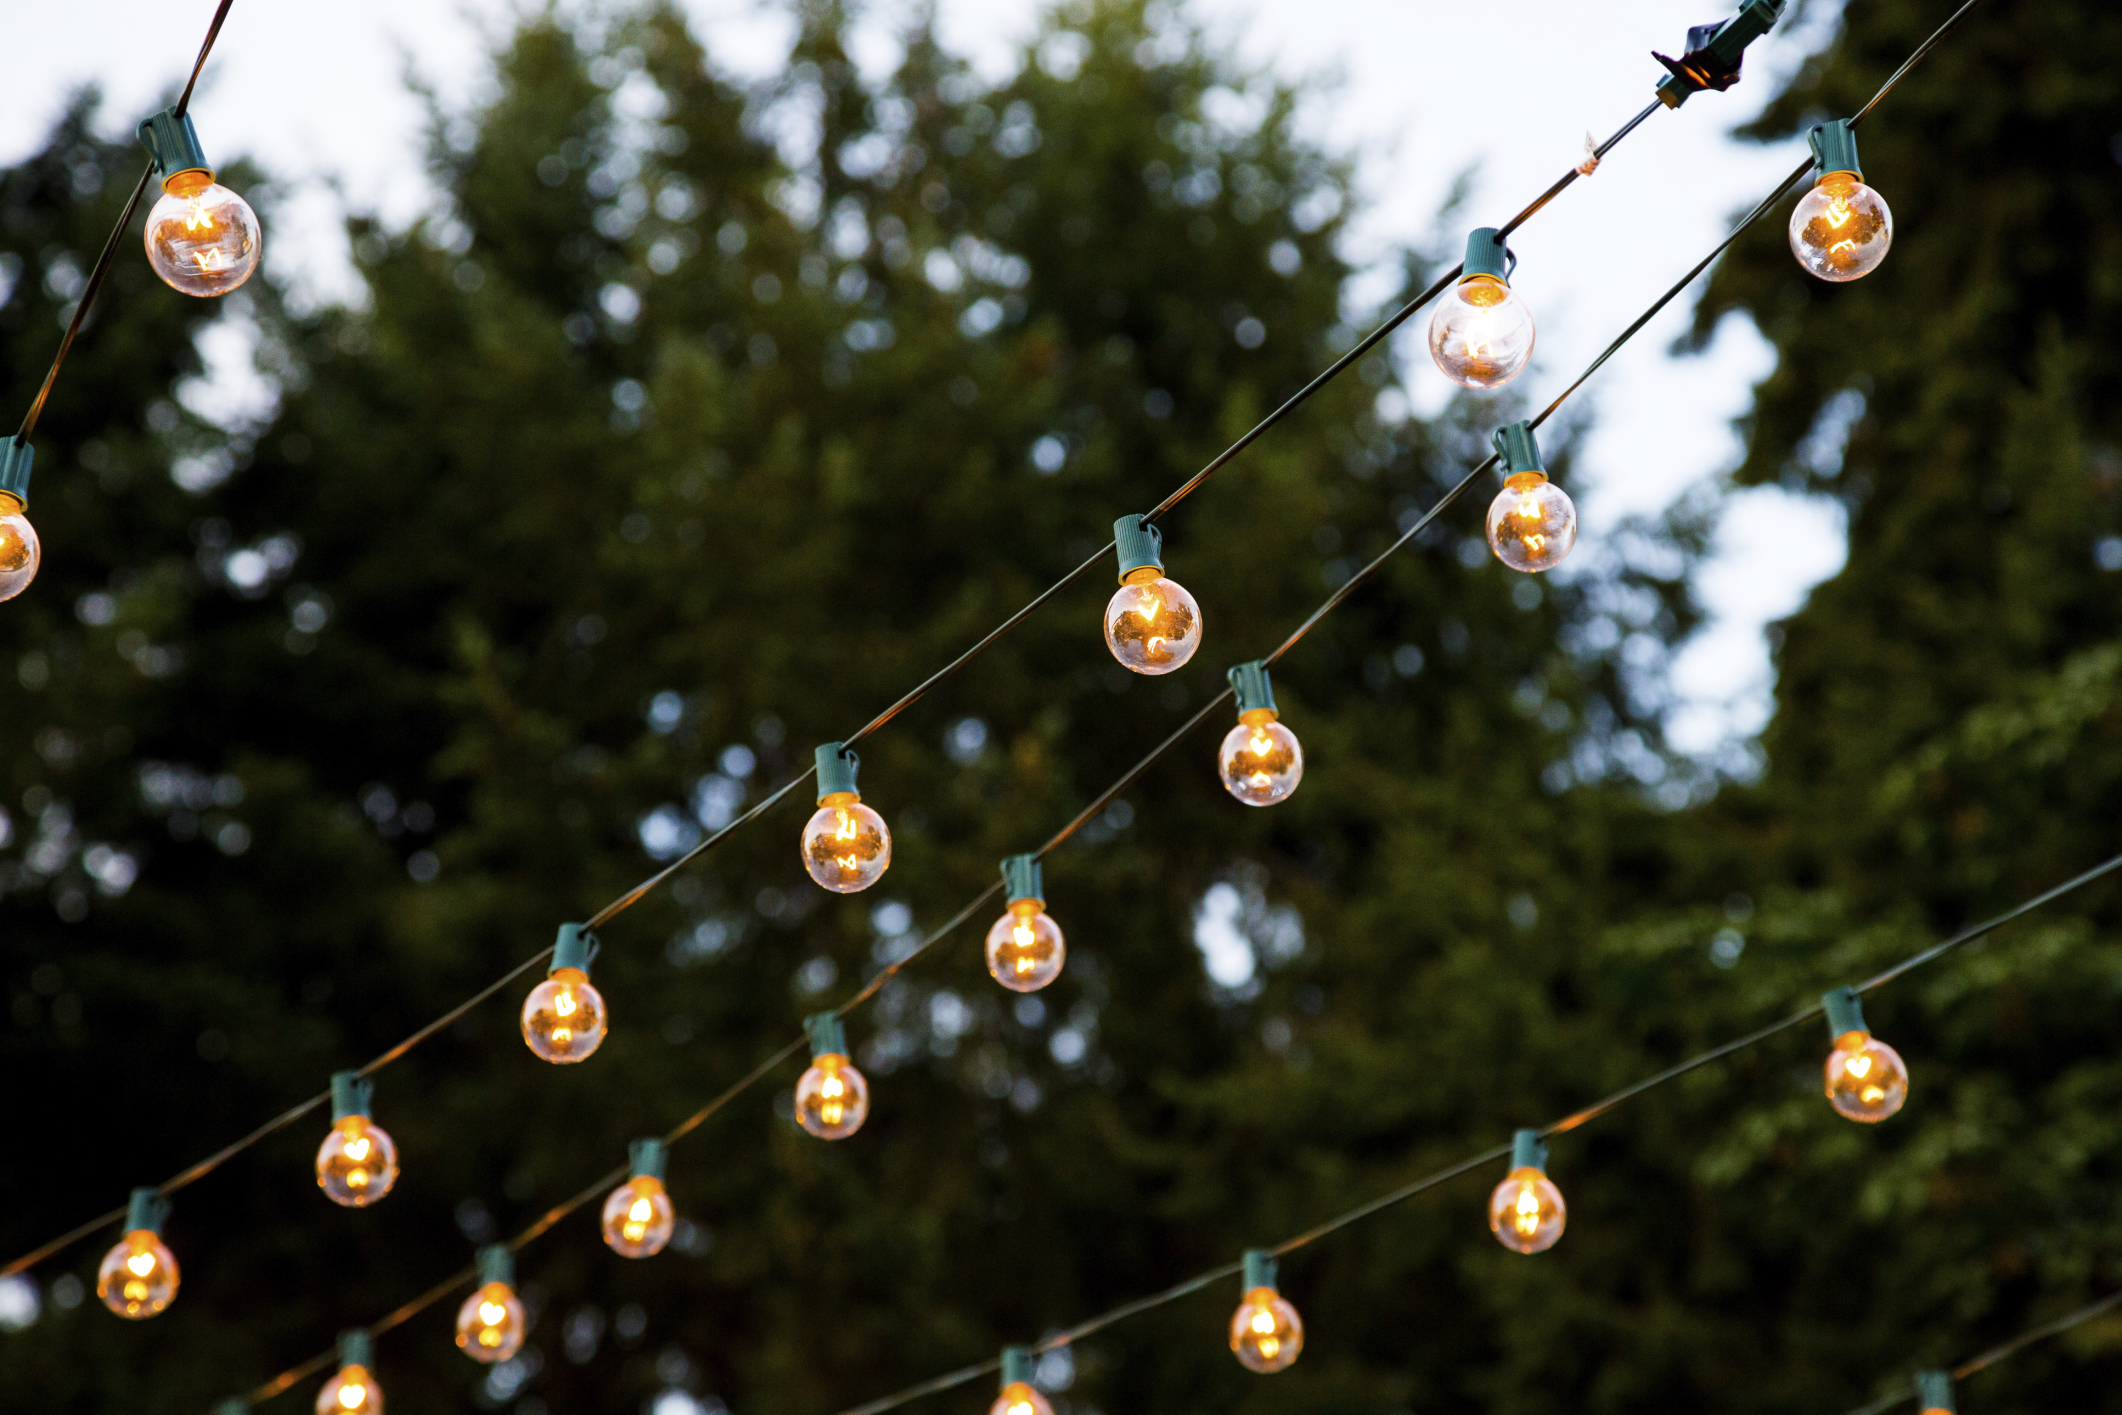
(1265, 1331)
(846, 845)
(202, 238)
(1152, 625)
(1532, 523)
(491, 1323)
(1841, 229)
(1526, 1212)
(20, 551)
(357, 1164)
(1025, 949)
(1481, 335)
(564, 1019)
(1019, 1396)
(832, 1098)
(1260, 760)
(638, 1216)
(138, 1276)
(1866, 1079)
(353, 1390)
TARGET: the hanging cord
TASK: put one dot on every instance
(1999, 1353)
(110, 247)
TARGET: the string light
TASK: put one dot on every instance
(1866, 1080)
(1481, 335)
(1152, 624)
(1532, 523)
(139, 1276)
(202, 238)
(1260, 761)
(20, 551)
(491, 1323)
(1265, 1331)
(832, 1098)
(352, 1390)
(1841, 229)
(358, 1162)
(1526, 1212)
(638, 1217)
(1025, 949)
(1019, 1396)
(846, 846)
(1934, 1393)
(564, 1018)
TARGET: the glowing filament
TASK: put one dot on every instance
(357, 1149)
(141, 1263)
(1859, 1066)
(491, 1313)
(352, 1394)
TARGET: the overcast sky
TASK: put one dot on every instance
(1420, 91)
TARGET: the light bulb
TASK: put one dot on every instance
(1019, 1398)
(1526, 1212)
(1152, 624)
(1532, 523)
(846, 847)
(491, 1324)
(1260, 760)
(1025, 949)
(1866, 1079)
(639, 1218)
(202, 238)
(1481, 335)
(358, 1163)
(832, 1098)
(20, 552)
(1841, 229)
(1266, 1332)
(139, 1275)
(353, 1391)
(564, 1017)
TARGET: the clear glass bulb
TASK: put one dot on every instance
(1866, 1079)
(1025, 949)
(846, 847)
(1152, 624)
(202, 238)
(1266, 1331)
(638, 1218)
(357, 1163)
(352, 1392)
(832, 1099)
(491, 1324)
(1526, 1213)
(1017, 1398)
(139, 1276)
(1841, 229)
(1482, 334)
(20, 551)
(1260, 760)
(1532, 523)
(564, 1017)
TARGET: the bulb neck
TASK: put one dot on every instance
(1258, 717)
(1853, 1041)
(11, 504)
(833, 799)
(1145, 575)
(646, 1185)
(1027, 908)
(1525, 481)
(573, 976)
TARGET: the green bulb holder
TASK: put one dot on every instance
(1528, 1151)
(1715, 52)
(1250, 685)
(497, 1263)
(1844, 1013)
(351, 1095)
(837, 765)
(827, 1036)
(1016, 1366)
(575, 948)
(1934, 1391)
(1022, 880)
(16, 455)
(646, 1157)
(355, 1349)
(173, 143)
(1140, 545)
(234, 1405)
(1518, 449)
(1487, 255)
(147, 1210)
(1259, 1269)
(1834, 148)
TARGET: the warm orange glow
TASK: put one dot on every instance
(1025, 948)
(832, 1098)
(1152, 625)
(564, 1018)
(1266, 1333)
(138, 1277)
(846, 845)
(491, 1323)
(1866, 1080)
(1526, 1212)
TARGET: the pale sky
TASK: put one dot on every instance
(1421, 91)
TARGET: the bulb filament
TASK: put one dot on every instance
(1527, 1217)
(141, 1263)
(352, 1394)
(491, 1313)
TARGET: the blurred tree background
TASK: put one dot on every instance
(699, 421)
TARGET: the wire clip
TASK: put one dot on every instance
(1590, 164)
(1714, 52)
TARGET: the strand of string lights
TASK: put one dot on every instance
(615, 907)
(869, 990)
(2003, 1351)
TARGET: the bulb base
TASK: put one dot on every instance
(1259, 1269)
(1140, 546)
(497, 1263)
(576, 948)
(1834, 149)
(1487, 255)
(646, 1158)
(1518, 449)
(1845, 1014)
(1016, 1366)
(1934, 1391)
(147, 1210)
(351, 1095)
(173, 143)
(1255, 693)
(827, 1036)
(1528, 1151)
(1022, 879)
(355, 1349)
(16, 455)
(1715, 52)
(837, 766)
